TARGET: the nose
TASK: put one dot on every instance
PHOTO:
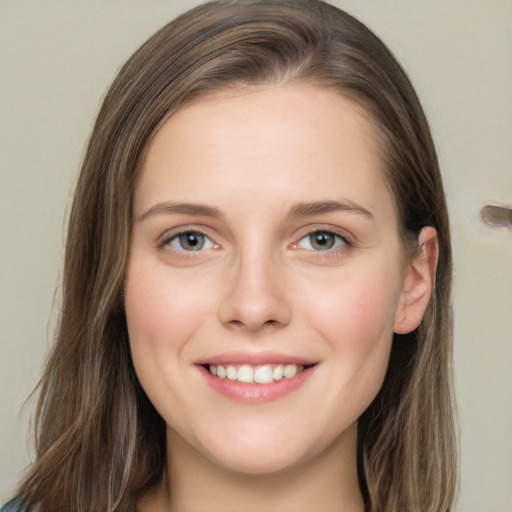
(255, 295)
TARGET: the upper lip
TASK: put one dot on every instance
(254, 359)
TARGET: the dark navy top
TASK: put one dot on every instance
(12, 506)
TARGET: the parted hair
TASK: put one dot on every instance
(99, 442)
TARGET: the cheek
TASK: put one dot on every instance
(163, 313)
(161, 309)
(357, 311)
(146, 305)
(356, 317)
(161, 319)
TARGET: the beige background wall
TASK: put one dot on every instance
(57, 58)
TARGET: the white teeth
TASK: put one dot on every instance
(246, 374)
(278, 372)
(231, 373)
(290, 370)
(264, 374)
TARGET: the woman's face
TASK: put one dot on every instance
(265, 243)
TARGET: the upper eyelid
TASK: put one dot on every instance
(326, 228)
(326, 231)
(186, 228)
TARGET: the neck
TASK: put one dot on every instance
(324, 483)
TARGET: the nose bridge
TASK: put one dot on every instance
(256, 293)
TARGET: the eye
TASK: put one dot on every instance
(190, 241)
(321, 241)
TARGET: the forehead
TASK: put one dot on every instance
(289, 142)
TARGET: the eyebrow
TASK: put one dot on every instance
(181, 208)
(321, 207)
(302, 209)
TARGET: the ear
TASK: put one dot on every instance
(418, 282)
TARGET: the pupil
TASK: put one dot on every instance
(322, 241)
(192, 241)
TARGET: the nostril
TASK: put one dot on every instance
(239, 325)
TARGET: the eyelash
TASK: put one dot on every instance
(340, 242)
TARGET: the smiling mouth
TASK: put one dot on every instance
(261, 374)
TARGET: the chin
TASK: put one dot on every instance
(265, 455)
(258, 462)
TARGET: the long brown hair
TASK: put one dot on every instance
(99, 441)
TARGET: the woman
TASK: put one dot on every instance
(257, 277)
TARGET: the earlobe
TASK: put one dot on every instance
(418, 283)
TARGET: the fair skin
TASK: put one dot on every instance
(265, 236)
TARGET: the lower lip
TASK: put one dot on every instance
(243, 392)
